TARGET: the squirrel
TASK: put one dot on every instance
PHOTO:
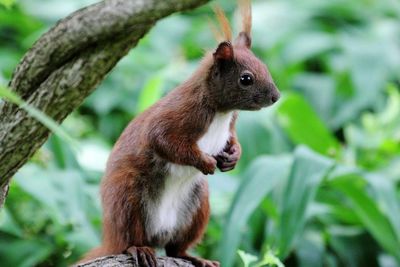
(154, 191)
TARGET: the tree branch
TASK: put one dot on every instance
(65, 65)
(129, 261)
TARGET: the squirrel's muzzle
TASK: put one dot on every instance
(272, 93)
(275, 96)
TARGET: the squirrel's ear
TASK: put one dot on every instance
(243, 40)
(224, 52)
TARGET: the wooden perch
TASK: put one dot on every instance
(129, 261)
(66, 64)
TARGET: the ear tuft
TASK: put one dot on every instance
(243, 40)
(223, 22)
(224, 52)
(245, 11)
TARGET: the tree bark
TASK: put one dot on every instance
(66, 64)
(129, 261)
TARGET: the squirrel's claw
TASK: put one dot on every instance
(199, 262)
(144, 256)
(228, 158)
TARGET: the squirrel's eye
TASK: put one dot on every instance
(246, 80)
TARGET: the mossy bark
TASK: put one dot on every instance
(130, 261)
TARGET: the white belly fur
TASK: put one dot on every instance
(174, 207)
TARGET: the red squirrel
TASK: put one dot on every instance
(155, 192)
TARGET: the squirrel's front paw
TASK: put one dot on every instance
(227, 159)
(207, 165)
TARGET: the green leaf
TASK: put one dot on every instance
(304, 126)
(66, 200)
(246, 258)
(312, 249)
(367, 210)
(8, 224)
(64, 157)
(7, 3)
(306, 45)
(318, 89)
(151, 92)
(308, 170)
(53, 126)
(387, 197)
(10, 96)
(24, 252)
(259, 179)
(263, 127)
(270, 259)
(347, 247)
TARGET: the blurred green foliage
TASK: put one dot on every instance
(318, 183)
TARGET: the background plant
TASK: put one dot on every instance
(318, 184)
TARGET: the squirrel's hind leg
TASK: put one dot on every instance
(193, 233)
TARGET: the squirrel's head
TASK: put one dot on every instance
(237, 78)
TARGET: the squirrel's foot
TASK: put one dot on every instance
(227, 159)
(144, 256)
(199, 262)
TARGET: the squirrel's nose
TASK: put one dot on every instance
(275, 96)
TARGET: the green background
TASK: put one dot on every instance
(318, 182)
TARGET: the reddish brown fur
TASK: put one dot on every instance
(168, 133)
(171, 127)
